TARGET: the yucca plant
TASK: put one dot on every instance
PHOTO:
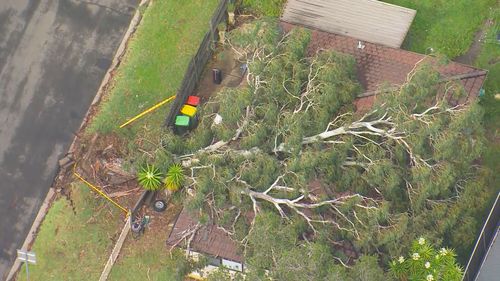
(427, 263)
(175, 177)
(149, 177)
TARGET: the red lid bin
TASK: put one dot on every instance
(193, 100)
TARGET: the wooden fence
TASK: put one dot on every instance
(197, 64)
(116, 251)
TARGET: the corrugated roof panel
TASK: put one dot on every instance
(367, 20)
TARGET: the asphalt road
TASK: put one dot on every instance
(53, 56)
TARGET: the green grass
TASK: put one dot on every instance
(270, 8)
(446, 26)
(155, 62)
(489, 58)
(75, 247)
(148, 258)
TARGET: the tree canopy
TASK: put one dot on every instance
(289, 168)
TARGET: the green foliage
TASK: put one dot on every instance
(150, 177)
(446, 26)
(409, 178)
(270, 8)
(175, 177)
(426, 263)
(259, 33)
(282, 249)
(367, 269)
(488, 59)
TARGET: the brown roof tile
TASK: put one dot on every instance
(208, 239)
(378, 64)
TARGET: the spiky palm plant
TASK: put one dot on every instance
(149, 177)
(175, 177)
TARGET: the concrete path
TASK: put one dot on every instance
(53, 55)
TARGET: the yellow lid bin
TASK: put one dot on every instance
(188, 110)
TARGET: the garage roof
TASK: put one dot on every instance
(366, 20)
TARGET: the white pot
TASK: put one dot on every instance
(230, 17)
(222, 36)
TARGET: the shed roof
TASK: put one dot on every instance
(367, 20)
(208, 239)
(378, 65)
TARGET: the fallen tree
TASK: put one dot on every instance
(292, 142)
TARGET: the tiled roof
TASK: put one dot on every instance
(208, 239)
(378, 65)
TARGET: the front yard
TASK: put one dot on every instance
(76, 245)
(147, 258)
(75, 238)
(155, 62)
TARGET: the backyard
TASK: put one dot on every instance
(449, 27)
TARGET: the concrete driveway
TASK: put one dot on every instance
(53, 55)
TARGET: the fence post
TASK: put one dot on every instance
(212, 36)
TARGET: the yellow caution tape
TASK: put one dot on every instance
(147, 111)
(127, 212)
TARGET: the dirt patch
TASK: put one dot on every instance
(99, 160)
(160, 223)
(232, 74)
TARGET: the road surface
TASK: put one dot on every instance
(53, 56)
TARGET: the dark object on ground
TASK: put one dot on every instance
(160, 205)
(217, 75)
(243, 69)
(148, 200)
(139, 226)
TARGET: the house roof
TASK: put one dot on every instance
(208, 238)
(368, 20)
(378, 65)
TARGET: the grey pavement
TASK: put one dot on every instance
(53, 56)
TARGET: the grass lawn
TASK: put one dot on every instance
(489, 58)
(75, 246)
(446, 26)
(147, 257)
(270, 8)
(155, 62)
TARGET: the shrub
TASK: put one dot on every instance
(175, 177)
(149, 177)
(427, 263)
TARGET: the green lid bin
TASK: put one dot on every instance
(182, 120)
